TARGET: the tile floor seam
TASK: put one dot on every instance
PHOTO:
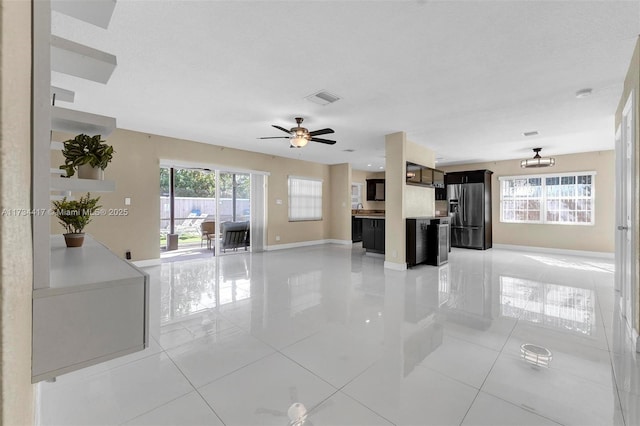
(230, 372)
(338, 391)
(306, 369)
(155, 408)
(524, 408)
(611, 362)
(195, 389)
(490, 370)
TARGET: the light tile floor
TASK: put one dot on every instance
(326, 336)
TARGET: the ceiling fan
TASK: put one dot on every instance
(300, 136)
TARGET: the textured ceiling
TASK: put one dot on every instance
(465, 79)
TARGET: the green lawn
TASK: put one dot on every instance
(182, 239)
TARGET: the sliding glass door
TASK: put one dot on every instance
(202, 207)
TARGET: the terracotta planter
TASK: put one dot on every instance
(88, 172)
(74, 240)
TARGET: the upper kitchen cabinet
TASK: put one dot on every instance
(424, 176)
(375, 189)
(472, 176)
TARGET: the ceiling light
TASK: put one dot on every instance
(537, 160)
(583, 93)
(368, 165)
(381, 167)
(299, 141)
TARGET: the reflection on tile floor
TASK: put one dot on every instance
(325, 336)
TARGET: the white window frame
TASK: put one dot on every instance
(356, 199)
(314, 205)
(543, 198)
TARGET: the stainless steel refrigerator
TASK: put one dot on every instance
(470, 209)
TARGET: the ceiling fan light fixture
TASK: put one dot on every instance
(537, 161)
(299, 141)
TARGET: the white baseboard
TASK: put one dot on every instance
(341, 242)
(295, 245)
(601, 254)
(395, 266)
(148, 262)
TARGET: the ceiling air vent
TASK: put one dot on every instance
(322, 98)
(349, 150)
(533, 133)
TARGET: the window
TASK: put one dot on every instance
(566, 198)
(356, 195)
(305, 199)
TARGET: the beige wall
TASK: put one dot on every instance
(395, 229)
(135, 169)
(598, 238)
(16, 391)
(340, 216)
(632, 83)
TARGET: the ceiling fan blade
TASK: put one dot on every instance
(276, 137)
(281, 128)
(293, 146)
(327, 141)
(321, 132)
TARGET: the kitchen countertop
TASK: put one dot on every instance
(368, 216)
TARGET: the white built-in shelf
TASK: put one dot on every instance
(69, 57)
(58, 172)
(85, 185)
(57, 146)
(76, 122)
(59, 197)
(82, 268)
(62, 94)
(74, 325)
(96, 12)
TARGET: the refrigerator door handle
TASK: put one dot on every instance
(463, 192)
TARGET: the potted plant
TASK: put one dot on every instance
(87, 153)
(74, 216)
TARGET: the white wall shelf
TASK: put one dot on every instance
(69, 57)
(63, 95)
(96, 12)
(76, 122)
(75, 185)
(74, 325)
(57, 146)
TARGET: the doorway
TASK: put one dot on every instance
(625, 232)
(205, 212)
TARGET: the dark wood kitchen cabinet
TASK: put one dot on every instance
(373, 235)
(375, 189)
(356, 229)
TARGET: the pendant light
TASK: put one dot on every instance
(537, 160)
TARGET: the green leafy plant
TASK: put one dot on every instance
(84, 149)
(74, 215)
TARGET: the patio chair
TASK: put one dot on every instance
(207, 232)
(234, 235)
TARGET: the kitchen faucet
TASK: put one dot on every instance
(359, 206)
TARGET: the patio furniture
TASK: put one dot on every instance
(234, 235)
(207, 232)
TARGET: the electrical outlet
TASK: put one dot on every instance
(394, 254)
(277, 237)
(279, 202)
